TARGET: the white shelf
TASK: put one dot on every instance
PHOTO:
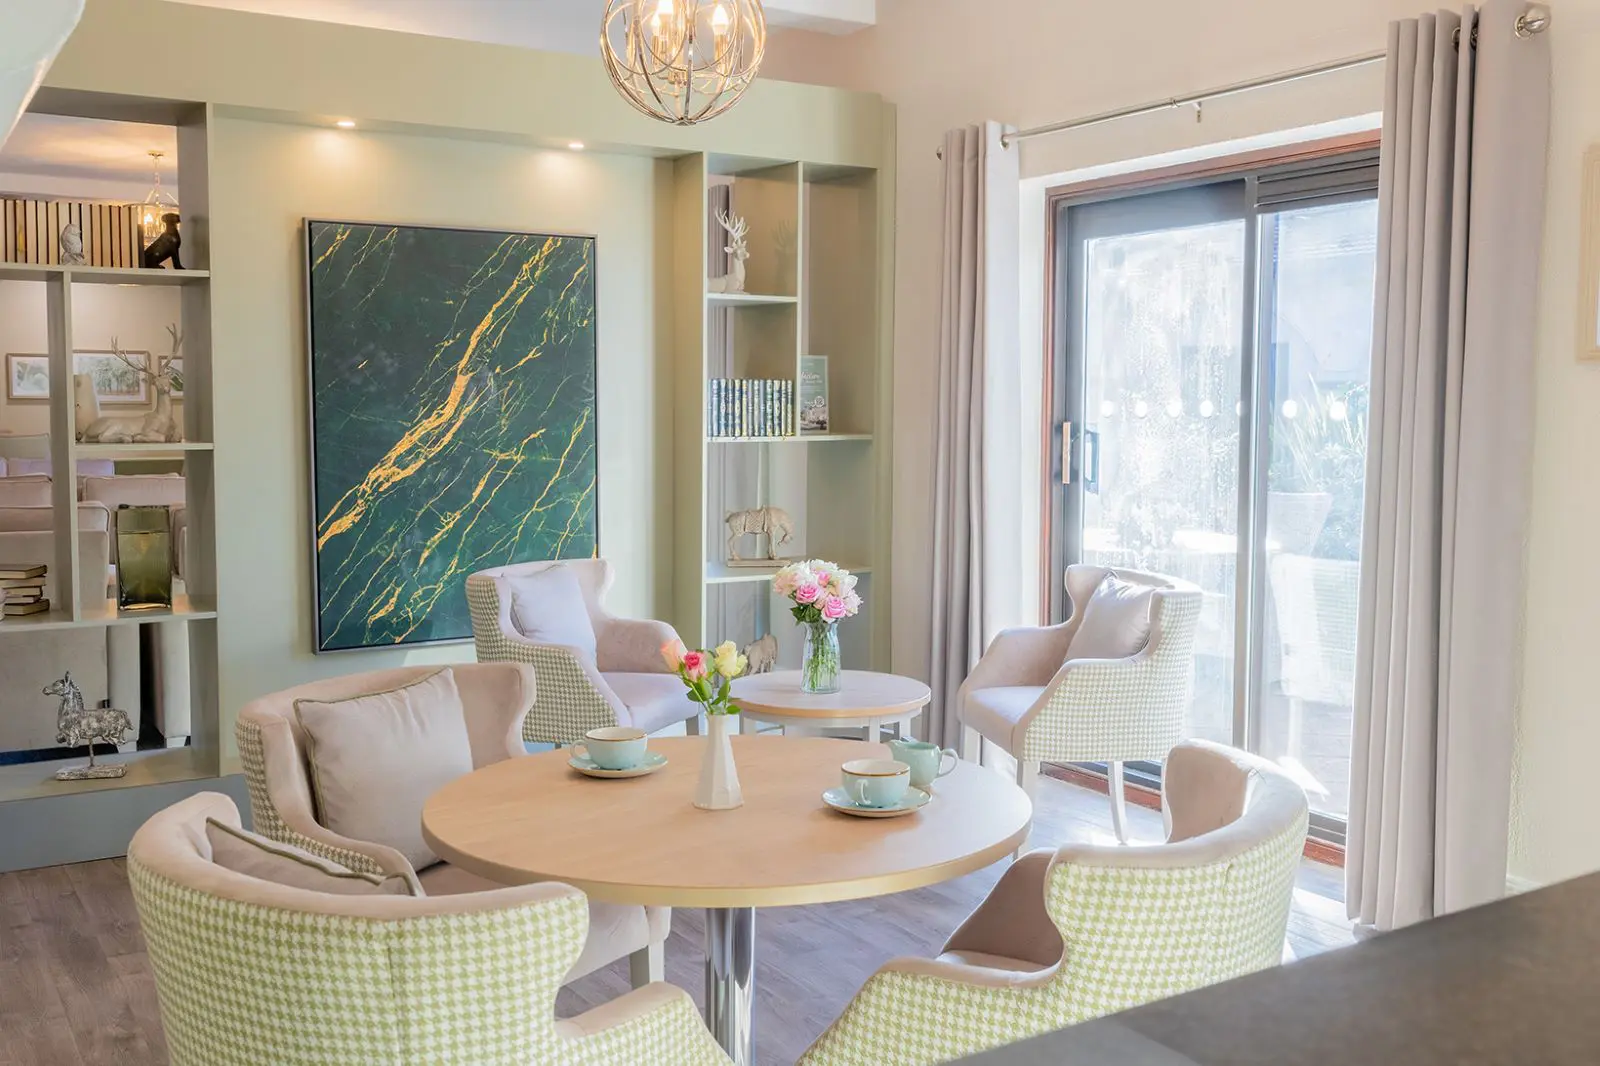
(802, 438)
(747, 299)
(183, 608)
(139, 451)
(93, 275)
(36, 780)
(723, 574)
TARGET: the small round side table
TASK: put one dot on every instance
(865, 700)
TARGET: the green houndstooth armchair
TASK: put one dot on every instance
(1032, 699)
(251, 972)
(1088, 930)
(621, 681)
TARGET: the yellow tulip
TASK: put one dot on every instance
(729, 662)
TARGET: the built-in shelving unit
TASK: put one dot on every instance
(78, 598)
(813, 289)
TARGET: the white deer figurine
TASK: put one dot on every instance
(158, 426)
(737, 228)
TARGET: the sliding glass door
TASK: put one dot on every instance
(1213, 345)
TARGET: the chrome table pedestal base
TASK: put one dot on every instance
(730, 978)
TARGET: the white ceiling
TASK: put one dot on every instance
(110, 159)
(549, 25)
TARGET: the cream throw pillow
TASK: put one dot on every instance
(284, 864)
(1116, 621)
(376, 759)
(547, 607)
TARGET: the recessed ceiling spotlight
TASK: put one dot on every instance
(346, 124)
(576, 146)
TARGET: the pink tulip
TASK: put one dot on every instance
(810, 592)
(672, 654)
(695, 665)
(833, 608)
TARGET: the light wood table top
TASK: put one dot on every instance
(862, 694)
(641, 840)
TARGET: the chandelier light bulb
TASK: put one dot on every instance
(1174, 408)
(683, 61)
(1207, 408)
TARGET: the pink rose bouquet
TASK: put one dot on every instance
(821, 591)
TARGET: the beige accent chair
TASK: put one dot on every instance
(254, 971)
(1087, 930)
(496, 698)
(626, 683)
(1028, 697)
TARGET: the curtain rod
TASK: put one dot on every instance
(1536, 19)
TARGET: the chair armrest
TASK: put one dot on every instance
(569, 695)
(1024, 655)
(655, 1024)
(1012, 920)
(633, 645)
(977, 1008)
(281, 802)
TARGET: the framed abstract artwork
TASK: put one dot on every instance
(452, 410)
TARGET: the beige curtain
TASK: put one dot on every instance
(976, 574)
(1461, 208)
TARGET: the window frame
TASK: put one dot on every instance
(1313, 174)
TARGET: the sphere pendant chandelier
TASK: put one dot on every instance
(683, 61)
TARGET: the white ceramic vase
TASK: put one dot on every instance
(719, 778)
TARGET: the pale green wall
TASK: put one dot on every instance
(450, 132)
(267, 177)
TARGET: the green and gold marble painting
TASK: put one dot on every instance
(452, 412)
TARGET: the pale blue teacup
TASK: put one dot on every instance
(616, 747)
(875, 782)
(926, 760)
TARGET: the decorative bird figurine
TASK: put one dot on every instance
(71, 244)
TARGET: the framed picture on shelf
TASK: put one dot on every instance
(813, 394)
(27, 377)
(115, 382)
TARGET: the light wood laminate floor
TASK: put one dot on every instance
(76, 989)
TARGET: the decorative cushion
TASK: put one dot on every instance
(375, 760)
(268, 860)
(547, 607)
(654, 701)
(1116, 621)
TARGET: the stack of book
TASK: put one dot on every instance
(22, 588)
(740, 407)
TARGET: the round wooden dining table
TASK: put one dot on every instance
(641, 840)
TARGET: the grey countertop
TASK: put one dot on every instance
(1514, 983)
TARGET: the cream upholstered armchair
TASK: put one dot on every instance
(593, 668)
(1033, 698)
(1087, 930)
(273, 746)
(250, 970)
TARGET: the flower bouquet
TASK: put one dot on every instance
(708, 675)
(823, 594)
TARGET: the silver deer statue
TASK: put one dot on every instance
(77, 726)
(737, 247)
(159, 426)
(773, 523)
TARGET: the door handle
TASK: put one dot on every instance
(1066, 453)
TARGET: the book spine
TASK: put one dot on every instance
(770, 407)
